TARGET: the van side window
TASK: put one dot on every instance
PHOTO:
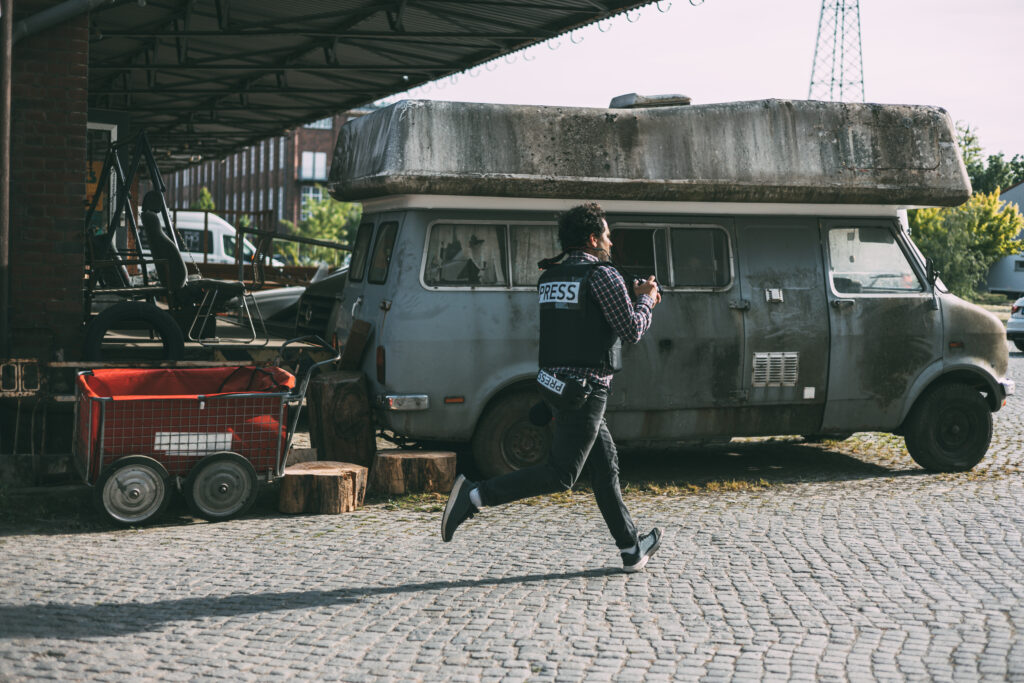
(639, 252)
(466, 254)
(868, 260)
(700, 257)
(248, 250)
(382, 253)
(360, 251)
(193, 241)
(530, 244)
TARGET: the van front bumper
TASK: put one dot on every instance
(1008, 386)
(403, 402)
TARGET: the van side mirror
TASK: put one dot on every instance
(930, 272)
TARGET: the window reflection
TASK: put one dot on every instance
(466, 254)
(868, 260)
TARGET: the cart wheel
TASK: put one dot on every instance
(221, 486)
(133, 490)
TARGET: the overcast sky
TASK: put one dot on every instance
(962, 55)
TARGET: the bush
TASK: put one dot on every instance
(964, 241)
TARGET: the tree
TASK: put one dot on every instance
(991, 174)
(326, 219)
(999, 174)
(964, 241)
(205, 201)
(970, 149)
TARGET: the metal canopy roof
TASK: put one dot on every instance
(207, 77)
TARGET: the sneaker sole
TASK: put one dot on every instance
(643, 560)
(456, 489)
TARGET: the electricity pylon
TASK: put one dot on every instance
(837, 73)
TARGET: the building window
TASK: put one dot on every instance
(310, 194)
(270, 151)
(322, 124)
(280, 151)
(314, 166)
(261, 156)
(280, 203)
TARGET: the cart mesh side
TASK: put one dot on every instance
(178, 430)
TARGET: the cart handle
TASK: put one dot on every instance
(300, 392)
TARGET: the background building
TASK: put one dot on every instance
(275, 175)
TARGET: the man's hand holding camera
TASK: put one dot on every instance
(648, 287)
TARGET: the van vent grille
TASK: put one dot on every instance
(777, 369)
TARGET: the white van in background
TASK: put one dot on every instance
(207, 238)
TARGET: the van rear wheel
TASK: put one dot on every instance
(505, 440)
(949, 429)
(1019, 343)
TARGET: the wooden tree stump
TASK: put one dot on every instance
(322, 487)
(340, 420)
(397, 472)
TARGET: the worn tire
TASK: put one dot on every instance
(127, 312)
(505, 440)
(949, 429)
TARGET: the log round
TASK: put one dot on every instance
(340, 420)
(322, 487)
(398, 472)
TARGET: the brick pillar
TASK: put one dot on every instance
(48, 125)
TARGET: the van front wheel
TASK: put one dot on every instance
(949, 429)
(506, 440)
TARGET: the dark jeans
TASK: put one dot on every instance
(578, 434)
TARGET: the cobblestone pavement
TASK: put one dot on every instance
(781, 561)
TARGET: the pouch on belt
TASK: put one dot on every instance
(563, 392)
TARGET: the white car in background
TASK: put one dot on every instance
(1015, 324)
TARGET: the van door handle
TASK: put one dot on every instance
(842, 303)
(357, 304)
(739, 305)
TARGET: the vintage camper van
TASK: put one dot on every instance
(793, 301)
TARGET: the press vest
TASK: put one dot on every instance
(573, 329)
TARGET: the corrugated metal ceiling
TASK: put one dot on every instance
(205, 77)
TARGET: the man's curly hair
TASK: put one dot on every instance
(579, 223)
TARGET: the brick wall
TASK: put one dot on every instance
(48, 133)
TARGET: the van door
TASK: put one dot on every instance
(885, 326)
(681, 381)
(353, 293)
(786, 350)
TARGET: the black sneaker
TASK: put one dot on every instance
(458, 509)
(634, 561)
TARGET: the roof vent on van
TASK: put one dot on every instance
(634, 101)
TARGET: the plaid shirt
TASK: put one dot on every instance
(628, 321)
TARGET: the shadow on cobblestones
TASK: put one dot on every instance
(772, 461)
(66, 621)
